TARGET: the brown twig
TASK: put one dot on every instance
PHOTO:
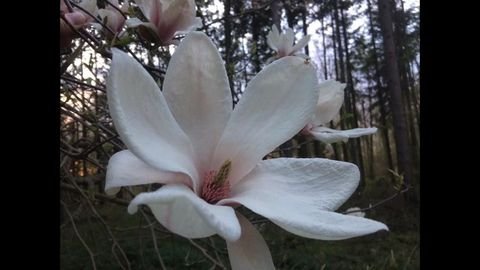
(298, 146)
(71, 57)
(102, 89)
(379, 203)
(212, 244)
(72, 112)
(69, 6)
(205, 253)
(90, 253)
(135, 227)
(80, 34)
(107, 228)
(154, 238)
(102, 197)
(116, 8)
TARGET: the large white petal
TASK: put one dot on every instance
(299, 195)
(180, 210)
(301, 43)
(330, 100)
(143, 119)
(325, 225)
(250, 252)
(125, 169)
(289, 37)
(272, 38)
(324, 183)
(276, 105)
(328, 135)
(286, 43)
(197, 91)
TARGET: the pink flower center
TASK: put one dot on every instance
(215, 184)
(282, 52)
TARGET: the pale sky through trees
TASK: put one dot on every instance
(313, 27)
(316, 38)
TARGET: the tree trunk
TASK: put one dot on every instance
(304, 150)
(275, 7)
(371, 156)
(350, 94)
(324, 54)
(346, 108)
(399, 34)
(318, 145)
(393, 81)
(338, 76)
(255, 39)
(381, 100)
(304, 25)
(228, 46)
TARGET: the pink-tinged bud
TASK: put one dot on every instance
(77, 19)
(306, 130)
(113, 18)
(166, 19)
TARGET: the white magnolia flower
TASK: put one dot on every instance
(209, 157)
(114, 19)
(329, 102)
(166, 18)
(355, 211)
(283, 43)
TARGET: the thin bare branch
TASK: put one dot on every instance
(109, 231)
(205, 253)
(379, 203)
(102, 197)
(66, 78)
(154, 238)
(90, 253)
(94, 17)
(79, 33)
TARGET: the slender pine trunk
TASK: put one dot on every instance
(350, 94)
(381, 100)
(393, 81)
